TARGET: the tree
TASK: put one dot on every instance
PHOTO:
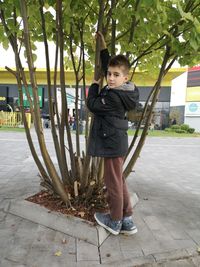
(153, 34)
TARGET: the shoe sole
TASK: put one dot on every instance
(129, 232)
(106, 227)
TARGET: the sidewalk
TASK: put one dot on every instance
(167, 182)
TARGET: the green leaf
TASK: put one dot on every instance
(194, 43)
(197, 25)
(34, 57)
(5, 44)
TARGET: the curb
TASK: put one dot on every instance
(73, 226)
(170, 258)
(70, 225)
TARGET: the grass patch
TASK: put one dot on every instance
(160, 133)
(11, 129)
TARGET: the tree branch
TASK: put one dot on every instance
(11, 71)
(155, 92)
(93, 10)
(134, 23)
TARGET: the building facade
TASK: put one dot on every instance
(144, 81)
(185, 98)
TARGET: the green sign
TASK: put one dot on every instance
(25, 98)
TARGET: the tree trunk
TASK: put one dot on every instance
(61, 160)
(138, 149)
(48, 162)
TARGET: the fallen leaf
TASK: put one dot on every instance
(198, 249)
(58, 253)
(81, 213)
(64, 241)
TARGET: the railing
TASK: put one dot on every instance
(13, 119)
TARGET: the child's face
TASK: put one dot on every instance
(116, 76)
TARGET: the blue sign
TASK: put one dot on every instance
(193, 107)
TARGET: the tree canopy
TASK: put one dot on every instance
(143, 28)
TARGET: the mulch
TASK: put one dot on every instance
(79, 208)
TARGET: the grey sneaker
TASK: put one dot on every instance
(106, 222)
(128, 226)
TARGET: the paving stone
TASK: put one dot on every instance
(192, 251)
(2, 215)
(175, 254)
(43, 242)
(86, 264)
(111, 250)
(47, 242)
(22, 241)
(11, 222)
(144, 238)
(6, 241)
(182, 244)
(160, 232)
(169, 195)
(8, 228)
(8, 263)
(132, 253)
(132, 262)
(196, 261)
(87, 252)
(67, 224)
(67, 250)
(4, 204)
(176, 233)
(129, 246)
(177, 263)
(194, 234)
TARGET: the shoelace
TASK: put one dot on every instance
(109, 221)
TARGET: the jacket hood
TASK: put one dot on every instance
(128, 94)
(128, 86)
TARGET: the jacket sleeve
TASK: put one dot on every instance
(99, 104)
(105, 57)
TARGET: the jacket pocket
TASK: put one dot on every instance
(108, 135)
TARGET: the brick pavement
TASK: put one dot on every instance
(166, 180)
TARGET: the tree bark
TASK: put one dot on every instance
(138, 149)
(64, 114)
(61, 161)
(48, 162)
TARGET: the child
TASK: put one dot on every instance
(109, 138)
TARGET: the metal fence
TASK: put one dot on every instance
(13, 119)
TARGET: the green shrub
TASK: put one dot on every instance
(168, 129)
(184, 127)
(191, 130)
(175, 127)
(180, 131)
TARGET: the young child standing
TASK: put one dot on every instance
(109, 138)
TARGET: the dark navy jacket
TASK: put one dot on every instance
(108, 136)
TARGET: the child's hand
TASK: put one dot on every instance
(103, 43)
(97, 81)
(99, 34)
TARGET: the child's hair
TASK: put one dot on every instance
(120, 61)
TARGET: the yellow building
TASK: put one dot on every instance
(143, 80)
(140, 78)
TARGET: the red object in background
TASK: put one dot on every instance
(195, 68)
(86, 91)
